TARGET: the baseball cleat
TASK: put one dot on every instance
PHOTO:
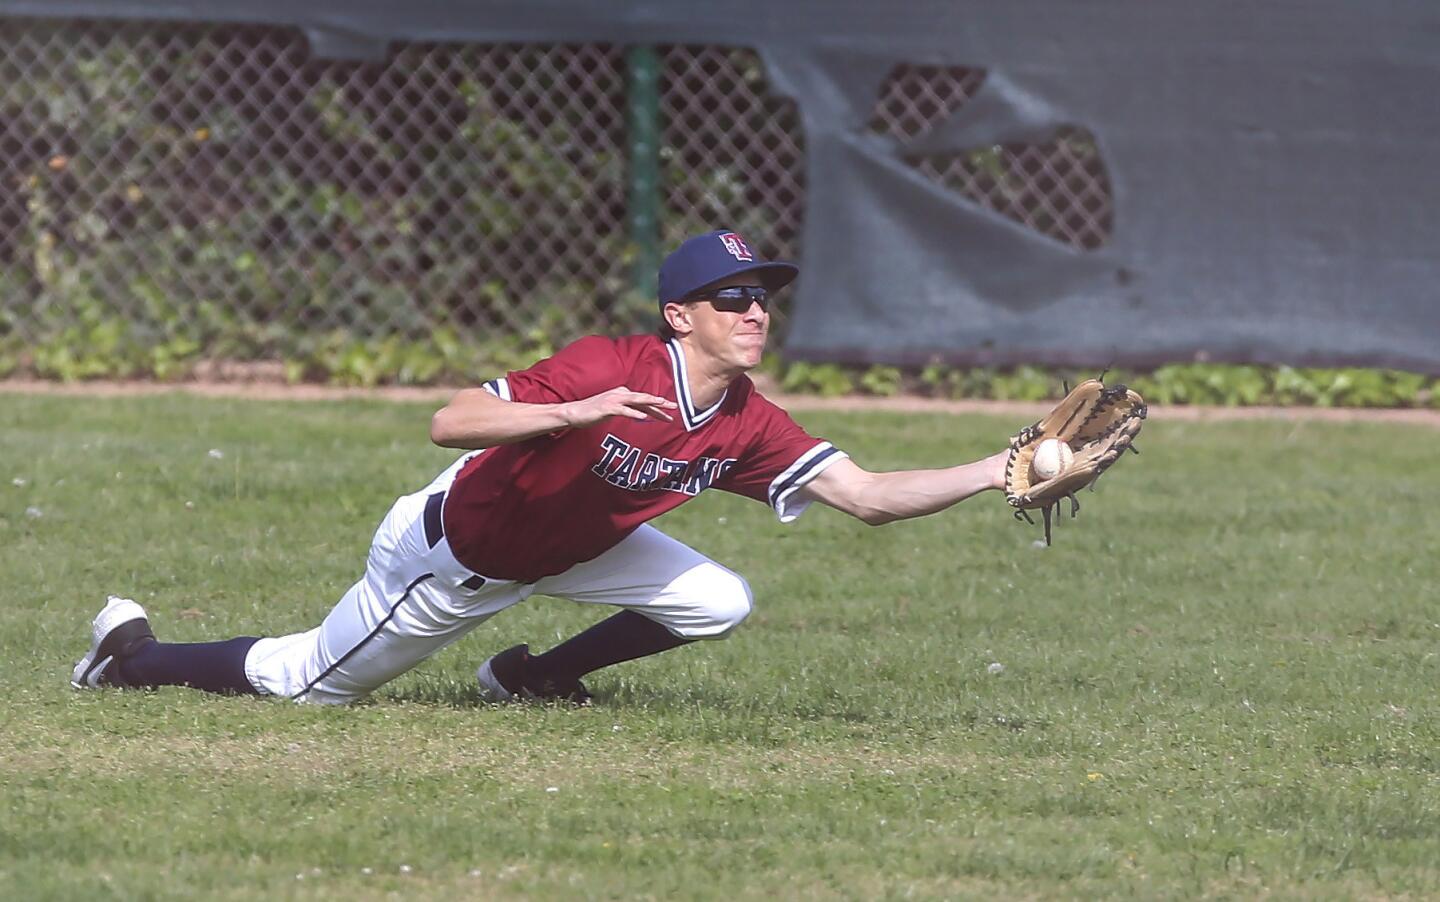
(505, 677)
(119, 629)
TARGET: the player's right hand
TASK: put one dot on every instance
(618, 402)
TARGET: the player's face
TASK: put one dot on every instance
(729, 329)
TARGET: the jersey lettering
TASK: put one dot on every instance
(656, 472)
(674, 473)
(649, 474)
(613, 448)
(704, 472)
(623, 474)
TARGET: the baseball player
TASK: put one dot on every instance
(566, 462)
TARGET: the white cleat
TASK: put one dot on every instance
(119, 628)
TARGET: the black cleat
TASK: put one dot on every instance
(119, 629)
(506, 677)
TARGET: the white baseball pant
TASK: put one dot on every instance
(415, 599)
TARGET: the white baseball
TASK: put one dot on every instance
(1050, 459)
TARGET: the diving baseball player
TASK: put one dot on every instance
(566, 463)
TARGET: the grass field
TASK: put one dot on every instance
(1220, 682)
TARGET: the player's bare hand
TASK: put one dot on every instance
(619, 402)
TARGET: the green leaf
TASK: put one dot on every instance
(884, 381)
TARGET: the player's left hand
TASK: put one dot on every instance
(1097, 423)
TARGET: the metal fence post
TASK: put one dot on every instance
(642, 104)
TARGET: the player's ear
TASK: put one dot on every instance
(678, 317)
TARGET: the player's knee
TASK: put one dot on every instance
(728, 604)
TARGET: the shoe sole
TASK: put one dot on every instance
(119, 623)
(490, 687)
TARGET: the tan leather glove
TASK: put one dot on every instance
(1098, 424)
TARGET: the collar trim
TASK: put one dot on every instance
(692, 419)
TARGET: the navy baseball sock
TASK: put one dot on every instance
(623, 637)
(212, 666)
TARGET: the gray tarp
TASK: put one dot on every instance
(1273, 165)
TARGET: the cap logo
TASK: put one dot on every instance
(736, 246)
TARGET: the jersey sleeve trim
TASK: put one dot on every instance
(500, 388)
(805, 468)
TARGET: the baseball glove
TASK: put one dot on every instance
(1098, 424)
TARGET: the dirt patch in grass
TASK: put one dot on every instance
(274, 389)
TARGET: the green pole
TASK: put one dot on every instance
(642, 65)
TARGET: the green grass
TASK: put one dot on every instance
(1220, 681)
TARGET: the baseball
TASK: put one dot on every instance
(1050, 459)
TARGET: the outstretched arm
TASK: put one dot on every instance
(475, 418)
(879, 498)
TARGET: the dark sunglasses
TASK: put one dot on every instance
(737, 298)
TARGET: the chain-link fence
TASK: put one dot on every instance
(217, 191)
(1058, 188)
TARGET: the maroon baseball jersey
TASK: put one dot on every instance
(538, 507)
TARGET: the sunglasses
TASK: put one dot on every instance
(737, 298)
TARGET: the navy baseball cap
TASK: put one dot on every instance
(706, 259)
